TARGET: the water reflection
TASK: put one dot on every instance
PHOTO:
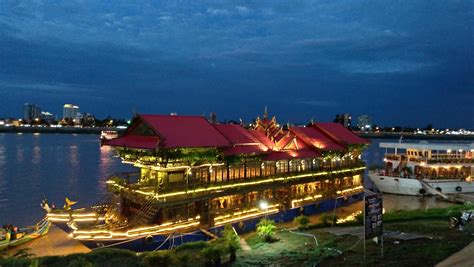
(53, 166)
(36, 154)
(105, 164)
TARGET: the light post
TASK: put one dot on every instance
(263, 205)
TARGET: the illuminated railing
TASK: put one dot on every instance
(233, 185)
(71, 217)
(136, 232)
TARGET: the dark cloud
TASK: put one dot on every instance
(303, 58)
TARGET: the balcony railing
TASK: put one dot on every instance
(178, 190)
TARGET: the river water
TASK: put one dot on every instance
(35, 166)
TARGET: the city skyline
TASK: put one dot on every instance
(402, 63)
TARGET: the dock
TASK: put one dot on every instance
(55, 243)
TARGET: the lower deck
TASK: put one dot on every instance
(216, 209)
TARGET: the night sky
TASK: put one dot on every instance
(402, 62)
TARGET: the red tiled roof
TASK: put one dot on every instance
(134, 141)
(340, 133)
(236, 134)
(316, 138)
(185, 131)
(167, 131)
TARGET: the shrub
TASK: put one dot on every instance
(266, 229)
(328, 219)
(198, 245)
(212, 254)
(302, 221)
(158, 258)
(232, 241)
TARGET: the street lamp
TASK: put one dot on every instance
(264, 206)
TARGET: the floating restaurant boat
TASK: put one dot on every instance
(23, 235)
(107, 135)
(196, 176)
(426, 168)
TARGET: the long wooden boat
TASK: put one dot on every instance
(26, 234)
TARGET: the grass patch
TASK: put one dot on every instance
(297, 250)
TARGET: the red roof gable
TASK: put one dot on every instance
(316, 138)
(262, 138)
(185, 131)
(340, 133)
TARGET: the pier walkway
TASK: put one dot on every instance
(461, 258)
(56, 242)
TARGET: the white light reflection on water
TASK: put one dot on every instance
(53, 166)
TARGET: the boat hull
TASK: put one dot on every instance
(160, 242)
(414, 187)
(43, 228)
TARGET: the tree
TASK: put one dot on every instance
(232, 241)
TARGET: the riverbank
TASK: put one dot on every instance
(432, 241)
(58, 130)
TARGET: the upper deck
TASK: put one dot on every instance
(431, 153)
(425, 146)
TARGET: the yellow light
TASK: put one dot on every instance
(293, 202)
(234, 185)
(350, 217)
(245, 217)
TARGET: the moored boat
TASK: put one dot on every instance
(10, 238)
(107, 135)
(196, 176)
(426, 168)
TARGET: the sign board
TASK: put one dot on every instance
(373, 204)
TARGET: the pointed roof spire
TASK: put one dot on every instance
(265, 113)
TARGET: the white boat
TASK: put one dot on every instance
(107, 135)
(426, 168)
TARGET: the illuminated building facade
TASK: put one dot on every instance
(194, 173)
(195, 168)
(70, 111)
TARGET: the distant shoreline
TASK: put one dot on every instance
(412, 136)
(97, 130)
(62, 130)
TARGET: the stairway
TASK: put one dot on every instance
(431, 190)
(146, 214)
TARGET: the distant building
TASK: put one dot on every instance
(48, 116)
(347, 120)
(86, 119)
(70, 111)
(31, 112)
(364, 122)
(344, 119)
